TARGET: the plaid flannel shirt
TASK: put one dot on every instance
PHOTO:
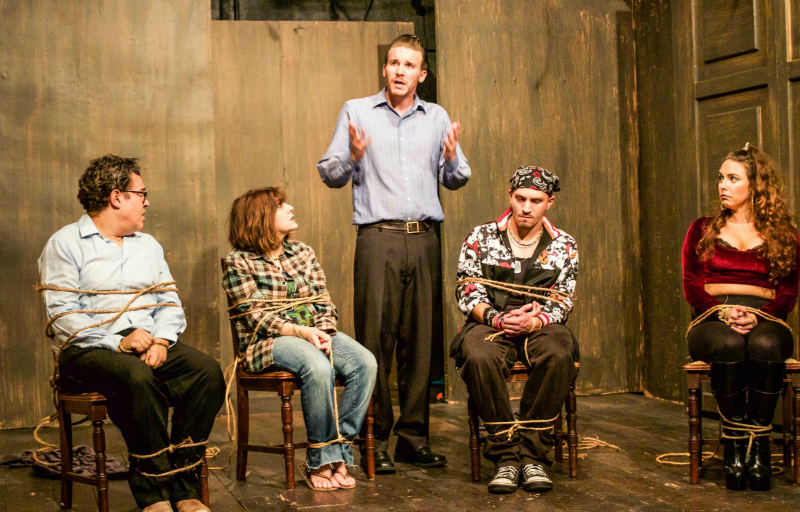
(254, 276)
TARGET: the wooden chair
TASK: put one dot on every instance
(519, 373)
(284, 384)
(697, 374)
(93, 406)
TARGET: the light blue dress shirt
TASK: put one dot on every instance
(397, 179)
(79, 257)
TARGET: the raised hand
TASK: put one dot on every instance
(450, 141)
(358, 142)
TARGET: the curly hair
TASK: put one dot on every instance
(252, 220)
(770, 214)
(104, 175)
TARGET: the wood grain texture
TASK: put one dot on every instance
(278, 92)
(550, 84)
(79, 80)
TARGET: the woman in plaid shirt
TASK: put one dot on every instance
(266, 265)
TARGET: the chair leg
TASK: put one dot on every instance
(474, 440)
(288, 442)
(242, 431)
(369, 441)
(796, 428)
(99, 441)
(695, 433)
(558, 436)
(204, 498)
(572, 431)
(65, 431)
(787, 425)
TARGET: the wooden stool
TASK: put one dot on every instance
(93, 406)
(697, 374)
(519, 373)
(284, 384)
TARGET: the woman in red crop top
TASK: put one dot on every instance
(745, 256)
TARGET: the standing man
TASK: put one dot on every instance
(397, 148)
(136, 361)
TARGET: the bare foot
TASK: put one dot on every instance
(342, 476)
(321, 478)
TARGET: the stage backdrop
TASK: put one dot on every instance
(551, 83)
(79, 80)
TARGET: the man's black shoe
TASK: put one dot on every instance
(384, 464)
(422, 457)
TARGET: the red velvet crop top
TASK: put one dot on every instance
(730, 265)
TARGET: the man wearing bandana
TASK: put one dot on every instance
(521, 247)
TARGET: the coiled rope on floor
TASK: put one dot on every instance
(165, 287)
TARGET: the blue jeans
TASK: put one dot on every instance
(317, 387)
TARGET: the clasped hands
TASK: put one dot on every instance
(522, 321)
(153, 351)
(360, 140)
(741, 320)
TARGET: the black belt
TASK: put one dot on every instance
(399, 225)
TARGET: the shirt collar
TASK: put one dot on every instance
(86, 227)
(505, 219)
(380, 99)
(289, 249)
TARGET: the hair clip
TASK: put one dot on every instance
(746, 146)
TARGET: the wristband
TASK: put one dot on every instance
(490, 316)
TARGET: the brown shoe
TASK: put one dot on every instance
(191, 506)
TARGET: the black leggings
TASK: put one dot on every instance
(715, 341)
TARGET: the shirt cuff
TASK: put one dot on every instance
(171, 337)
(108, 342)
(452, 165)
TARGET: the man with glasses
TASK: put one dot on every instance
(397, 149)
(136, 360)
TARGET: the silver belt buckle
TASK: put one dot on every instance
(413, 230)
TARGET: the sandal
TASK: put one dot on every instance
(346, 474)
(306, 472)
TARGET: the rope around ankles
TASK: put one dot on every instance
(722, 311)
(276, 306)
(519, 425)
(167, 286)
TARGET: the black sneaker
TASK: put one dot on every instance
(505, 481)
(535, 479)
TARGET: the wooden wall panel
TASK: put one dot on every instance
(726, 123)
(79, 80)
(793, 30)
(732, 37)
(278, 92)
(550, 84)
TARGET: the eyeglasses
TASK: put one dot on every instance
(142, 193)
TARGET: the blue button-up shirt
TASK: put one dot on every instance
(79, 257)
(397, 179)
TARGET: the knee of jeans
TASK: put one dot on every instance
(370, 367)
(318, 372)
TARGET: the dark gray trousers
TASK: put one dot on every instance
(398, 297)
(139, 398)
(552, 351)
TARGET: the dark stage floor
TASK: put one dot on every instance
(627, 480)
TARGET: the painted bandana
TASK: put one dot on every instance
(536, 178)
